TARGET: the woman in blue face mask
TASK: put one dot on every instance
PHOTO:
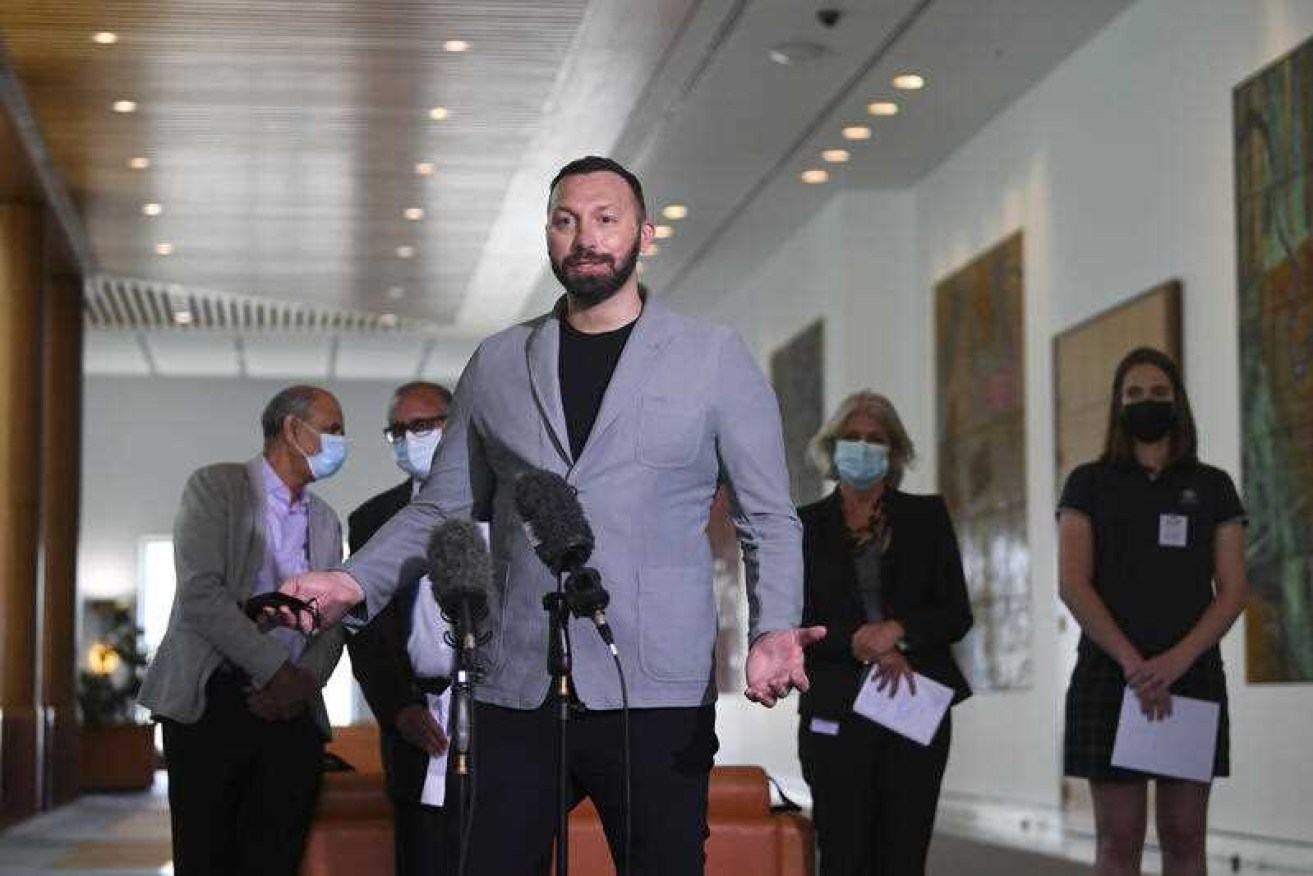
(883, 574)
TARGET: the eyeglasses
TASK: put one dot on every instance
(420, 427)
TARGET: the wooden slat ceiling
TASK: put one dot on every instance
(283, 136)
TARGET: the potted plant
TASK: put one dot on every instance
(118, 749)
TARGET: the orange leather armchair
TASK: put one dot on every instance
(352, 830)
(746, 837)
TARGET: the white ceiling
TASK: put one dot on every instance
(682, 91)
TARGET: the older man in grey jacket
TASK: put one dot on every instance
(244, 722)
(644, 412)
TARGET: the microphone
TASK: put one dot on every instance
(553, 520)
(461, 572)
(559, 532)
(587, 598)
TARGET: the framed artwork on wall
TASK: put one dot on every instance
(1084, 357)
(1273, 118)
(797, 371)
(981, 447)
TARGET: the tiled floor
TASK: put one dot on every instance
(128, 835)
(97, 835)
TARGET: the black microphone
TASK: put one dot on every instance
(553, 520)
(461, 572)
(559, 532)
(587, 598)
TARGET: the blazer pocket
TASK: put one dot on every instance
(669, 431)
(676, 623)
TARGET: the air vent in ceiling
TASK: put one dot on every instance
(144, 305)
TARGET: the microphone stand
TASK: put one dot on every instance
(462, 700)
(558, 665)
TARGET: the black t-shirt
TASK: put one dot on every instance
(1153, 544)
(584, 368)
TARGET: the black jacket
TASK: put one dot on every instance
(922, 587)
(380, 661)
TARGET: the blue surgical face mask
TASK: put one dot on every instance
(332, 453)
(415, 453)
(860, 464)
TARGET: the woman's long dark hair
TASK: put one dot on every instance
(1118, 444)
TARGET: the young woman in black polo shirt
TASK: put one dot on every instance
(1144, 532)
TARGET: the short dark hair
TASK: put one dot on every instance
(598, 164)
(1118, 445)
(417, 386)
(295, 401)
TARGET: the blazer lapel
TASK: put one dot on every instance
(838, 552)
(543, 351)
(635, 368)
(253, 520)
(325, 545)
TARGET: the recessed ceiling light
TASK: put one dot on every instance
(857, 132)
(105, 38)
(414, 214)
(796, 52)
(183, 317)
(674, 212)
(125, 106)
(836, 156)
(387, 320)
(164, 249)
(882, 108)
(438, 113)
(663, 231)
(152, 209)
(650, 250)
(456, 46)
(396, 293)
(425, 168)
(139, 163)
(405, 252)
(815, 176)
(909, 82)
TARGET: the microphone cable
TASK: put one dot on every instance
(626, 767)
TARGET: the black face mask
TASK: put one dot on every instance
(1149, 421)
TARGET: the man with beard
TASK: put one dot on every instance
(644, 412)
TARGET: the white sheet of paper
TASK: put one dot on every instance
(916, 717)
(1181, 746)
(435, 780)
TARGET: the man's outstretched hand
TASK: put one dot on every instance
(775, 664)
(333, 594)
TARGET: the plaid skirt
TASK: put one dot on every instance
(1094, 702)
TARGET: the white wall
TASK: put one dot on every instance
(1119, 169)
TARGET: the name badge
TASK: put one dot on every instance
(824, 727)
(1173, 530)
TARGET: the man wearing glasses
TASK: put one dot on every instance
(400, 659)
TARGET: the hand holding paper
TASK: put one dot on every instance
(915, 712)
(1181, 745)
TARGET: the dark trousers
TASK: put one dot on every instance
(242, 790)
(421, 841)
(874, 796)
(516, 786)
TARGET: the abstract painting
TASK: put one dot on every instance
(797, 371)
(980, 374)
(1273, 117)
(1085, 356)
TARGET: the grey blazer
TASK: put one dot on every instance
(218, 549)
(686, 409)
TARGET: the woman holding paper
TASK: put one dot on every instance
(1144, 532)
(883, 574)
